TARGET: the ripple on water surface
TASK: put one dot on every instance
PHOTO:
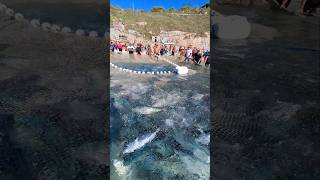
(162, 130)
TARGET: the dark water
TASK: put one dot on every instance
(167, 117)
(266, 99)
(87, 16)
(147, 67)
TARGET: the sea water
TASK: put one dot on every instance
(87, 16)
(159, 125)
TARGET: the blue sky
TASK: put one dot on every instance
(148, 4)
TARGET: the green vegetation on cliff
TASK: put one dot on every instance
(163, 20)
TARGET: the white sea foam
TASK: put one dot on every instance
(146, 110)
(120, 167)
(134, 90)
(169, 122)
(195, 166)
(162, 100)
(201, 155)
(197, 96)
(204, 139)
(138, 143)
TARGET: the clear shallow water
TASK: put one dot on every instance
(159, 126)
(89, 16)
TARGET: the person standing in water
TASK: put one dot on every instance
(197, 57)
(206, 56)
(120, 47)
(173, 50)
(149, 51)
(306, 6)
(112, 46)
(139, 49)
(188, 55)
(285, 4)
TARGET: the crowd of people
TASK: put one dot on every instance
(185, 54)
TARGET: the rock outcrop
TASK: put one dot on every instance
(179, 38)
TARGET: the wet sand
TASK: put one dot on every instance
(54, 86)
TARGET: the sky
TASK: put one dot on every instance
(148, 4)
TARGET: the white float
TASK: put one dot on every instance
(35, 22)
(18, 17)
(66, 30)
(231, 27)
(182, 70)
(55, 28)
(46, 26)
(80, 32)
(93, 34)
